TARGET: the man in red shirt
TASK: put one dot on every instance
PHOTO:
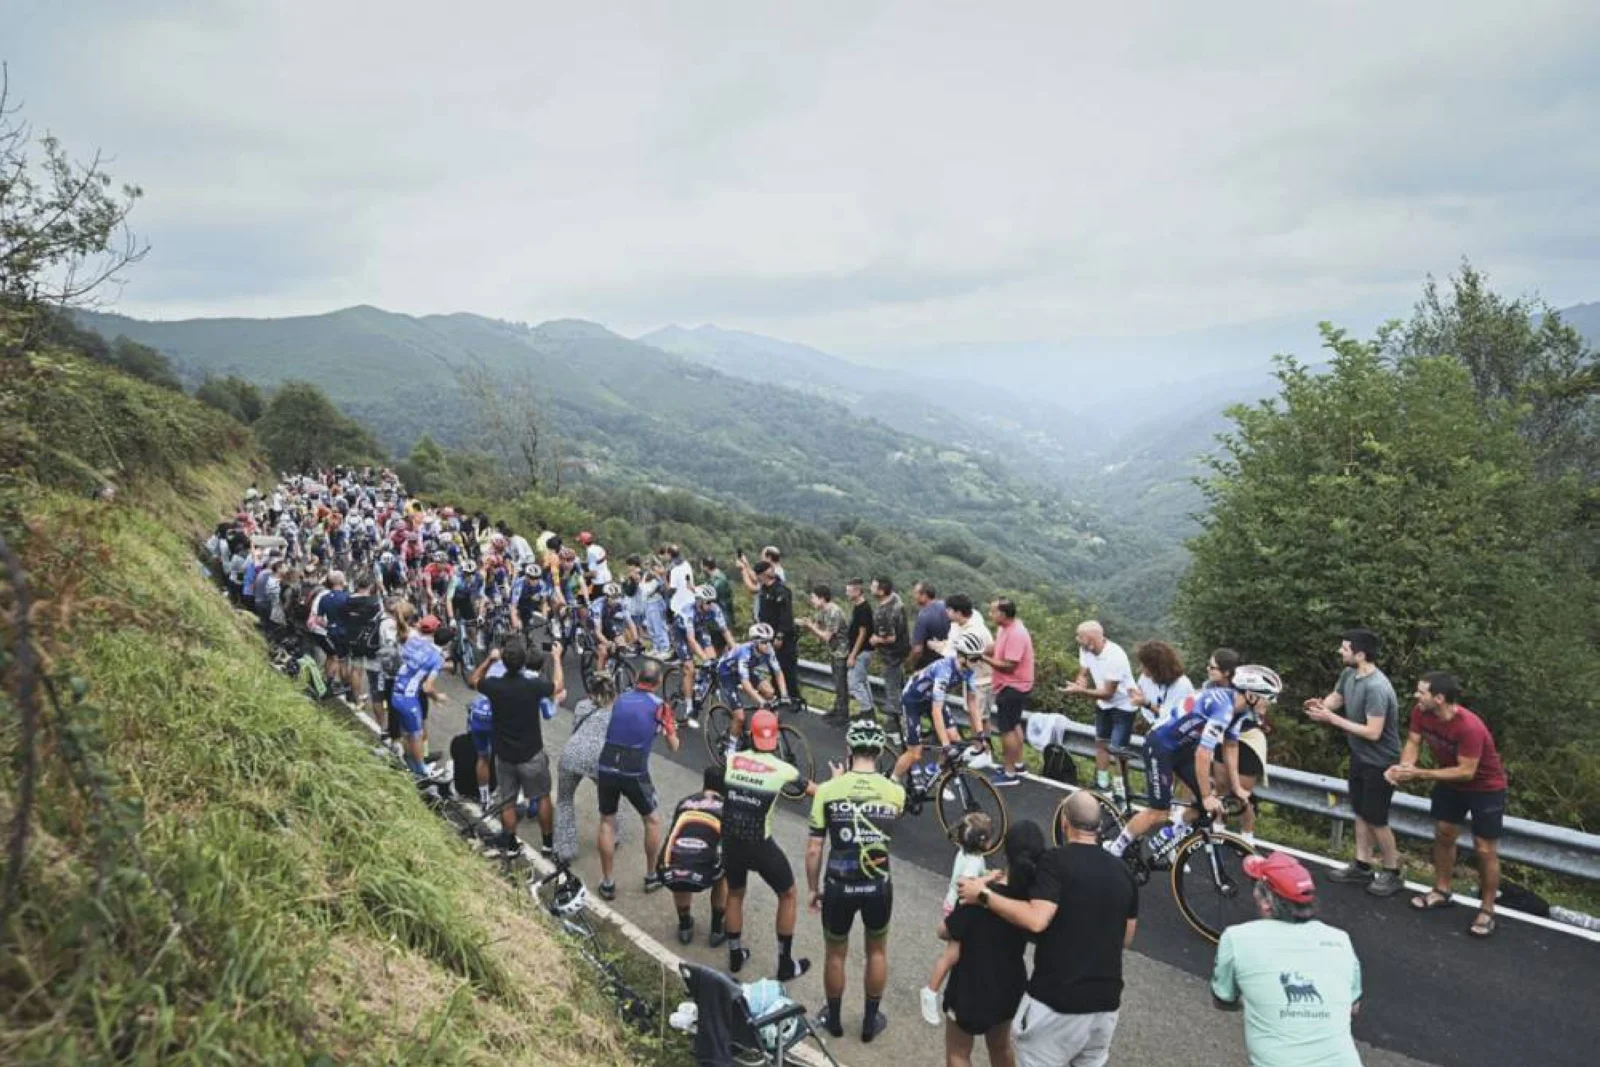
(1012, 660)
(1468, 780)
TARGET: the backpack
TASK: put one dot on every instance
(1059, 765)
(464, 767)
(389, 658)
(364, 620)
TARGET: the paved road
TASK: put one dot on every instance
(1433, 995)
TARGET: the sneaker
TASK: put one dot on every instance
(1351, 874)
(879, 1024)
(1386, 884)
(686, 933)
(826, 1020)
(1004, 779)
(930, 1007)
(796, 969)
(983, 761)
(652, 882)
(608, 890)
(717, 937)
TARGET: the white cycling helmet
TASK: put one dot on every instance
(705, 593)
(570, 897)
(968, 644)
(612, 589)
(761, 632)
(1262, 681)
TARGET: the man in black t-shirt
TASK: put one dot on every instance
(517, 704)
(859, 654)
(1083, 908)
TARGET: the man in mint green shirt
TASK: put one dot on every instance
(1298, 979)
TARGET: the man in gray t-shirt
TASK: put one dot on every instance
(1364, 706)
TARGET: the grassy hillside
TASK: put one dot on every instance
(218, 871)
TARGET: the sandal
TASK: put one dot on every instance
(1482, 926)
(1432, 899)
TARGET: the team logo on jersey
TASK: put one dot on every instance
(1298, 989)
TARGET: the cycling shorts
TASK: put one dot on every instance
(640, 792)
(481, 741)
(732, 693)
(408, 710)
(1161, 767)
(690, 879)
(914, 713)
(765, 858)
(842, 901)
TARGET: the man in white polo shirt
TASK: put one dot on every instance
(1105, 676)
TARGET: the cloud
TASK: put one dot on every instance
(864, 177)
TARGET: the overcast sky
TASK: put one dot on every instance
(859, 176)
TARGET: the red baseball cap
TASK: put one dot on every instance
(764, 731)
(1284, 875)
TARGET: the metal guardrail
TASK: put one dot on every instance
(1552, 848)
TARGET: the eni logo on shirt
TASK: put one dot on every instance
(1300, 993)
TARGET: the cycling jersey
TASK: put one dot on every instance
(929, 685)
(636, 718)
(479, 716)
(735, 664)
(419, 660)
(1206, 718)
(856, 812)
(704, 621)
(752, 782)
(692, 857)
(465, 593)
(613, 617)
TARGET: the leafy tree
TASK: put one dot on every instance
(302, 430)
(1389, 494)
(145, 363)
(426, 469)
(234, 395)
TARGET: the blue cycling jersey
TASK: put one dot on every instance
(419, 660)
(706, 620)
(735, 663)
(479, 716)
(1204, 720)
(929, 685)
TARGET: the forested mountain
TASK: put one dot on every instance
(630, 414)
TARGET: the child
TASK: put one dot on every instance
(972, 835)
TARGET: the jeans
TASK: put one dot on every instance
(859, 686)
(894, 680)
(841, 686)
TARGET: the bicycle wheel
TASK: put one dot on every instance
(963, 792)
(795, 750)
(888, 757)
(716, 724)
(1111, 819)
(671, 682)
(621, 674)
(1209, 883)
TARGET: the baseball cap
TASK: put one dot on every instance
(1284, 875)
(764, 731)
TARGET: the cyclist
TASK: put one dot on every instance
(925, 696)
(752, 782)
(436, 578)
(735, 681)
(1185, 746)
(691, 862)
(526, 593)
(609, 619)
(465, 601)
(696, 630)
(855, 812)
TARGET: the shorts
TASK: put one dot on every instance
(765, 858)
(680, 645)
(1114, 726)
(1160, 770)
(912, 713)
(690, 879)
(731, 690)
(1249, 762)
(1009, 705)
(640, 792)
(338, 646)
(408, 712)
(842, 902)
(531, 777)
(482, 740)
(1488, 809)
(1370, 792)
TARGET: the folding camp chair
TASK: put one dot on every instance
(728, 1035)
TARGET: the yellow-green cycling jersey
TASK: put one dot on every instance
(752, 781)
(856, 812)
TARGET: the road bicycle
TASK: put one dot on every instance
(1206, 867)
(793, 748)
(956, 789)
(566, 901)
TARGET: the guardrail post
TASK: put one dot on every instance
(1336, 828)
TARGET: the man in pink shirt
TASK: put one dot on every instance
(1012, 660)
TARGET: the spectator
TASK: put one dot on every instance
(828, 626)
(1012, 663)
(889, 639)
(719, 582)
(580, 759)
(932, 624)
(1298, 979)
(680, 580)
(747, 573)
(1083, 908)
(860, 654)
(624, 771)
(1364, 706)
(1162, 686)
(363, 613)
(990, 971)
(1103, 662)
(963, 619)
(775, 607)
(516, 725)
(1468, 780)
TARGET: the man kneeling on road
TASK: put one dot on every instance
(691, 862)
(516, 708)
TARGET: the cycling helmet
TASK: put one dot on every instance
(612, 589)
(586, 538)
(386, 558)
(865, 735)
(707, 593)
(468, 567)
(761, 632)
(531, 570)
(968, 643)
(447, 513)
(569, 897)
(568, 556)
(429, 624)
(498, 541)
(1262, 681)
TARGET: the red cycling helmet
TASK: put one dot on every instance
(1284, 875)
(429, 624)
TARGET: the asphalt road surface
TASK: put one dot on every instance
(1432, 993)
